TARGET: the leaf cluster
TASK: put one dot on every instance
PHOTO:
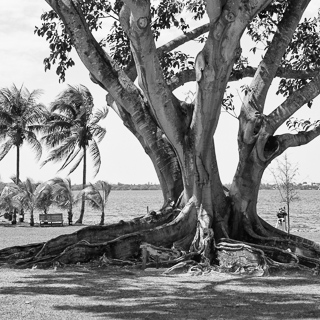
(21, 116)
(165, 14)
(96, 195)
(301, 125)
(56, 35)
(301, 54)
(263, 27)
(174, 62)
(73, 128)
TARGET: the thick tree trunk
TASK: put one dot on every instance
(180, 142)
(244, 194)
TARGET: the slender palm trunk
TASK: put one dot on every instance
(15, 211)
(102, 217)
(18, 166)
(70, 215)
(288, 212)
(84, 182)
(31, 218)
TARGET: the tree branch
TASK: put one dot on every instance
(214, 9)
(135, 19)
(188, 75)
(180, 40)
(268, 66)
(285, 73)
(171, 45)
(294, 140)
(294, 102)
(101, 67)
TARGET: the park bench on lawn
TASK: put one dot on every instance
(51, 219)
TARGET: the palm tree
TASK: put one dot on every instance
(29, 196)
(63, 195)
(20, 117)
(44, 197)
(72, 130)
(9, 201)
(26, 195)
(95, 198)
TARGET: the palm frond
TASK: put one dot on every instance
(64, 108)
(14, 180)
(95, 155)
(99, 115)
(21, 113)
(92, 195)
(62, 151)
(36, 128)
(74, 100)
(106, 189)
(34, 95)
(56, 124)
(35, 114)
(6, 117)
(62, 192)
(98, 132)
(56, 138)
(29, 186)
(5, 148)
(3, 134)
(7, 98)
(43, 195)
(70, 158)
(34, 143)
(76, 164)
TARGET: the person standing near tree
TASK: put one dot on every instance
(282, 222)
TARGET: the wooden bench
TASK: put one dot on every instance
(51, 219)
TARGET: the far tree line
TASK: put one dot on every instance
(115, 187)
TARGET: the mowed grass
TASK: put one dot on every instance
(126, 205)
(23, 234)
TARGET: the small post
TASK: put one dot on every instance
(144, 257)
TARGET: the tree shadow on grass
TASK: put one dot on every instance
(114, 293)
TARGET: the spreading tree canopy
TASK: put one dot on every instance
(140, 76)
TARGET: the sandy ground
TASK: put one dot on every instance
(123, 293)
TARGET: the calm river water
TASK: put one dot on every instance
(125, 205)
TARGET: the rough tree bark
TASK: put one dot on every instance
(178, 137)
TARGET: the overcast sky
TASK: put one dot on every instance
(123, 158)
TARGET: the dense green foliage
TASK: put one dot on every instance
(301, 54)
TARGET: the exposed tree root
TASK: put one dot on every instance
(163, 240)
(119, 241)
(307, 251)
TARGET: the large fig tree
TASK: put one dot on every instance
(199, 215)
